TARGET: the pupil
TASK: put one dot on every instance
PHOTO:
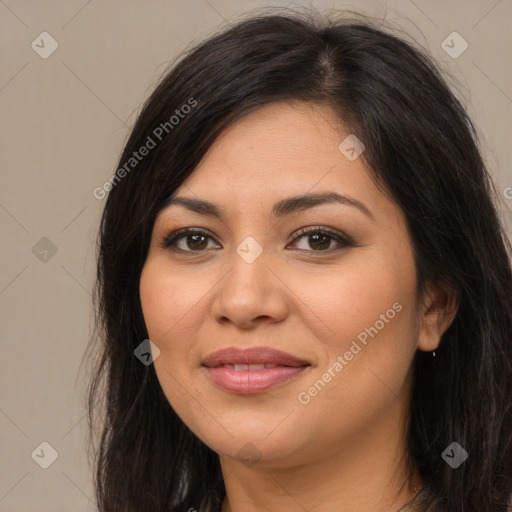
(194, 238)
(325, 237)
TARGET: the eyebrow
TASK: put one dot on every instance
(280, 209)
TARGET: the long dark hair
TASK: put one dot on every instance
(421, 147)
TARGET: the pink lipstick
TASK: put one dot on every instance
(253, 370)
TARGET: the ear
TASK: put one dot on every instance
(440, 305)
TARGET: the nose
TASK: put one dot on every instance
(250, 294)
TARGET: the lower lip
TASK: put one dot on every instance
(248, 382)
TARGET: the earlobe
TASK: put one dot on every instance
(439, 310)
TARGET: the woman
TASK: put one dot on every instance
(303, 226)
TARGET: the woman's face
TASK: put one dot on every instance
(341, 299)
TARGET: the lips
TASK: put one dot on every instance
(253, 370)
(251, 367)
(252, 359)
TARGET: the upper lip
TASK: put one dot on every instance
(253, 355)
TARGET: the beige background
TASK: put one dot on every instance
(64, 121)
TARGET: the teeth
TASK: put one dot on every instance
(245, 367)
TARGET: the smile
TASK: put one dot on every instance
(252, 370)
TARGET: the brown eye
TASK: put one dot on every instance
(320, 240)
(187, 240)
(195, 242)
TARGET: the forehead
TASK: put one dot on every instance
(282, 144)
(278, 151)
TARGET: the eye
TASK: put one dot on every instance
(187, 240)
(319, 239)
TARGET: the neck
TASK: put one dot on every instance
(367, 472)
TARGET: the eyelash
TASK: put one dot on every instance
(343, 240)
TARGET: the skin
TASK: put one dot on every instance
(344, 450)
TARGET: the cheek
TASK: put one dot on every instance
(369, 307)
(169, 301)
(360, 295)
(170, 305)
(371, 317)
(156, 296)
